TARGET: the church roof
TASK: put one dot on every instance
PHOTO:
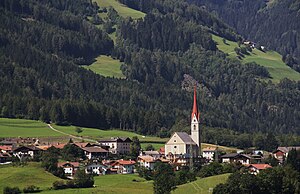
(185, 138)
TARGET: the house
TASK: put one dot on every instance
(123, 166)
(162, 151)
(236, 158)
(82, 144)
(96, 168)
(95, 152)
(256, 168)
(147, 161)
(282, 152)
(209, 153)
(69, 167)
(154, 154)
(182, 145)
(26, 151)
(117, 145)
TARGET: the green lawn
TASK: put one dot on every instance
(123, 10)
(24, 128)
(270, 59)
(32, 174)
(201, 186)
(113, 184)
(106, 66)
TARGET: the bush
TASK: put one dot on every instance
(83, 180)
(11, 190)
(59, 185)
(70, 184)
(31, 189)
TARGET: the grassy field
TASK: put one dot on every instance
(270, 59)
(202, 186)
(32, 174)
(106, 66)
(24, 128)
(123, 10)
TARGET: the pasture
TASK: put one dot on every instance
(269, 59)
(31, 174)
(123, 10)
(106, 66)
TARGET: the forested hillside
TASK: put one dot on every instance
(273, 23)
(43, 44)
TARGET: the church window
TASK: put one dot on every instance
(175, 146)
(194, 127)
(174, 140)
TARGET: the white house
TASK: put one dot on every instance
(96, 168)
(209, 154)
(256, 168)
(123, 166)
(26, 151)
(236, 158)
(117, 145)
(69, 167)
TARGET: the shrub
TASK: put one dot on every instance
(31, 189)
(11, 190)
(70, 184)
(59, 185)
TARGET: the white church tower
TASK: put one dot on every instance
(195, 120)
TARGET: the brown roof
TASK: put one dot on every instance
(124, 162)
(60, 146)
(209, 149)
(287, 149)
(94, 149)
(44, 147)
(62, 164)
(82, 145)
(147, 158)
(29, 147)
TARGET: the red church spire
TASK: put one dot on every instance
(195, 109)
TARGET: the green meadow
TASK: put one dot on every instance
(269, 59)
(123, 10)
(24, 128)
(31, 174)
(106, 66)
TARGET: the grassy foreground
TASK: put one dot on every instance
(31, 174)
(106, 66)
(270, 59)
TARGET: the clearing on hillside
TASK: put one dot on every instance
(123, 10)
(270, 59)
(106, 66)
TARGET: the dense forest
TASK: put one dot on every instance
(274, 24)
(43, 44)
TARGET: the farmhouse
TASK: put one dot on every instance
(154, 154)
(26, 151)
(236, 158)
(6, 149)
(118, 145)
(69, 167)
(96, 168)
(123, 166)
(95, 153)
(282, 152)
(209, 154)
(184, 146)
(256, 168)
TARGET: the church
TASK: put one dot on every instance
(183, 145)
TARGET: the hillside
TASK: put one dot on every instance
(163, 56)
(274, 24)
(269, 59)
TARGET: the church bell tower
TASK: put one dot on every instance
(195, 120)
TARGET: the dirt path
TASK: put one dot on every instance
(73, 136)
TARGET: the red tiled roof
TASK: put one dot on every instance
(6, 148)
(60, 146)
(82, 145)
(124, 162)
(260, 166)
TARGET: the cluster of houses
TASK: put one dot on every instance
(182, 149)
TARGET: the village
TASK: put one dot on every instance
(114, 155)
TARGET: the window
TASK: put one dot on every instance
(174, 140)
(175, 147)
(194, 127)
